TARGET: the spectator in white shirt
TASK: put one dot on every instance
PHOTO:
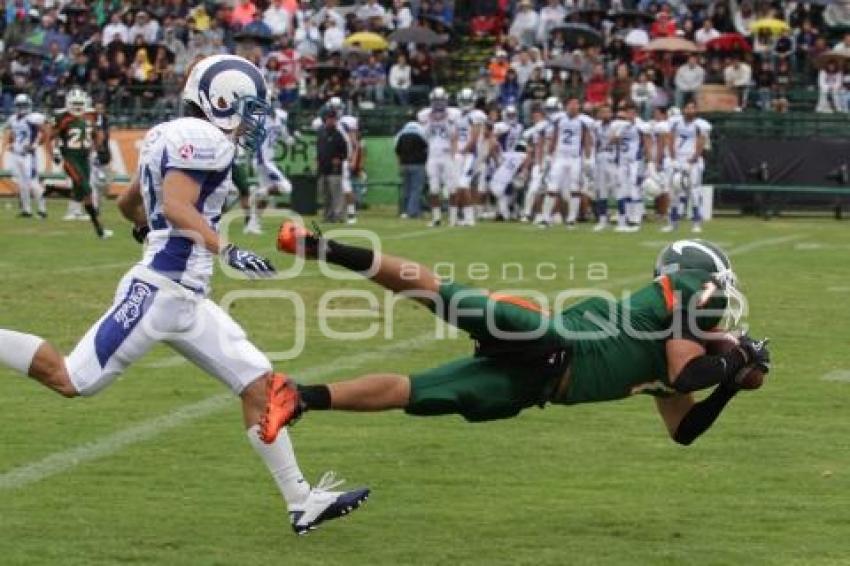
(278, 19)
(371, 11)
(329, 12)
(739, 76)
(115, 27)
(523, 65)
(307, 39)
(402, 15)
(333, 37)
(144, 26)
(688, 80)
(551, 15)
(642, 94)
(831, 90)
(525, 24)
(399, 80)
(706, 33)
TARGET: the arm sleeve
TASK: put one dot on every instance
(702, 415)
(707, 371)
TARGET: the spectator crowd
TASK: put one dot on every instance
(134, 54)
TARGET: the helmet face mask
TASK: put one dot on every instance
(439, 99)
(76, 102)
(252, 129)
(466, 99)
(510, 114)
(23, 104)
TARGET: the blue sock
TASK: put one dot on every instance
(697, 214)
(621, 206)
(602, 208)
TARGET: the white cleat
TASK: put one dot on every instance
(669, 228)
(253, 227)
(600, 226)
(434, 224)
(697, 229)
(107, 233)
(351, 220)
(322, 504)
(626, 229)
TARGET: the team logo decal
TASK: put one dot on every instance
(131, 309)
(187, 151)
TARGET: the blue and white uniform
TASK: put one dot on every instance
(270, 175)
(685, 135)
(512, 153)
(607, 174)
(566, 169)
(630, 153)
(468, 162)
(164, 297)
(22, 162)
(441, 131)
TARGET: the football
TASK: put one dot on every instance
(753, 378)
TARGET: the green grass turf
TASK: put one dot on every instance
(597, 484)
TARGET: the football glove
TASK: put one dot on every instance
(57, 156)
(247, 262)
(140, 233)
(756, 351)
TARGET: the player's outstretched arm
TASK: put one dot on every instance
(686, 419)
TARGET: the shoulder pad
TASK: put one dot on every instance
(36, 118)
(191, 143)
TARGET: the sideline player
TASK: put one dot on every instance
(440, 124)
(511, 155)
(70, 143)
(632, 137)
(269, 176)
(25, 133)
(650, 342)
(688, 138)
(533, 138)
(176, 203)
(606, 178)
(470, 132)
(569, 147)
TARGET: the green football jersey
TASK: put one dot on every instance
(619, 348)
(74, 135)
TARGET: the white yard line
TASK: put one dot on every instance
(65, 460)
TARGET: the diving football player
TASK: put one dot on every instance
(650, 342)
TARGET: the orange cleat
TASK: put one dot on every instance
(295, 239)
(283, 407)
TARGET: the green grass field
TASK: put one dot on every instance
(157, 470)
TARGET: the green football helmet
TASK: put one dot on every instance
(705, 256)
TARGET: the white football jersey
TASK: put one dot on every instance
(440, 129)
(630, 147)
(569, 135)
(508, 135)
(466, 121)
(203, 152)
(606, 148)
(685, 135)
(659, 129)
(24, 130)
(277, 130)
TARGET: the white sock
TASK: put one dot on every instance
(26, 199)
(436, 213)
(452, 215)
(279, 458)
(469, 214)
(17, 350)
(548, 206)
(572, 214)
(351, 209)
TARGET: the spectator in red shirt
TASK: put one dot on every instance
(597, 88)
(243, 13)
(664, 25)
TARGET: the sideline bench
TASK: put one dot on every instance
(769, 200)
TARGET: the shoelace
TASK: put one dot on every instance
(328, 481)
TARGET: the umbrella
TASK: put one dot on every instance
(729, 42)
(30, 49)
(417, 34)
(575, 32)
(564, 64)
(822, 60)
(587, 14)
(367, 40)
(75, 10)
(633, 15)
(637, 38)
(771, 25)
(353, 51)
(675, 44)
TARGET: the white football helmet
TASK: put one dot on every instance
(76, 101)
(337, 105)
(652, 188)
(551, 106)
(232, 94)
(439, 98)
(466, 99)
(510, 114)
(23, 104)
(673, 112)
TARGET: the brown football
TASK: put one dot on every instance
(723, 342)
